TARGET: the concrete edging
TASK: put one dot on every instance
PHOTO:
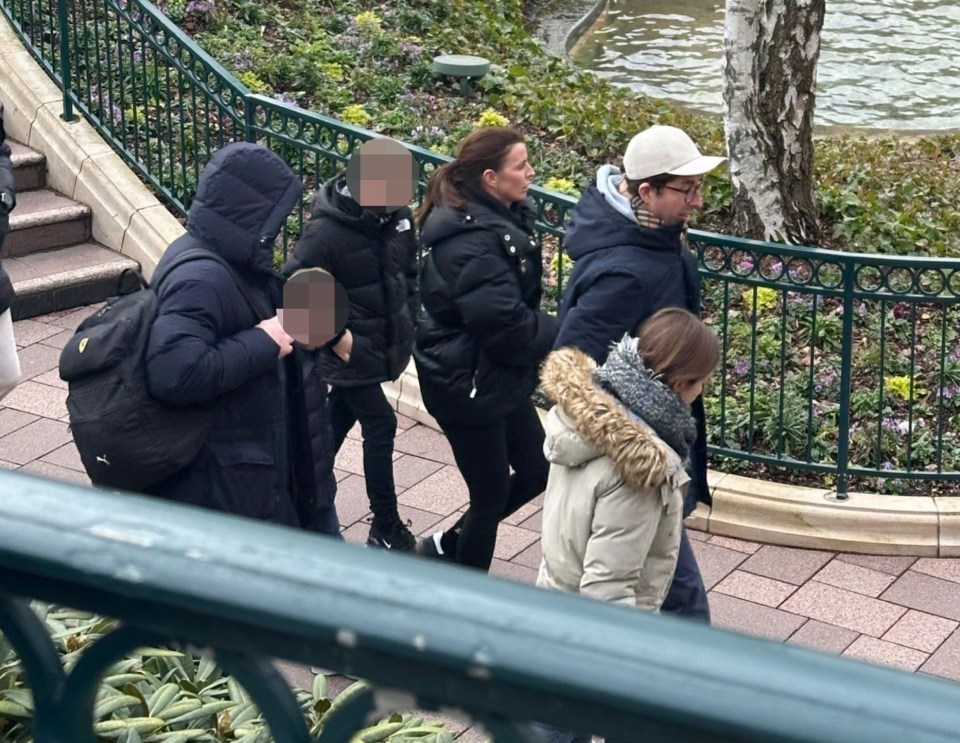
(790, 515)
(127, 217)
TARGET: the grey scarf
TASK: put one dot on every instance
(624, 375)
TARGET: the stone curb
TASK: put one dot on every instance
(127, 217)
(790, 515)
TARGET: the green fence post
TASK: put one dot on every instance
(63, 19)
(846, 372)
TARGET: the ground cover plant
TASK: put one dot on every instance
(157, 695)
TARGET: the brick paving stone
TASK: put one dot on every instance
(75, 317)
(698, 536)
(28, 332)
(357, 533)
(715, 562)
(786, 563)
(826, 637)
(419, 521)
(525, 511)
(755, 588)
(54, 472)
(854, 578)
(752, 619)
(403, 422)
(350, 457)
(340, 474)
(51, 378)
(11, 420)
(39, 399)
(66, 456)
(7, 465)
(884, 653)
(512, 540)
(945, 661)
(844, 608)
(946, 568)
(923, 592)
(535, 522)
(34, 440)
(442, 492)
(921, 631)
(735, 544)
(37, 359)
(442, 525)
(425, 442)
(530, 557)
(352, 502)
(893, 564)
(408, 470)
(513, 570)
(58, 340)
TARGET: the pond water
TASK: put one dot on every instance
(883, 63)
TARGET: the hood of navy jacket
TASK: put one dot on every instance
(244, 196)
(604, 218)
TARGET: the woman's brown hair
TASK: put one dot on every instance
(459, 181)
(678, 346)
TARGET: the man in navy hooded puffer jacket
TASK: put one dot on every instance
(626, 239)
(209, 347)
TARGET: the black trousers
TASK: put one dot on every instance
(378, 426)
(485, 455)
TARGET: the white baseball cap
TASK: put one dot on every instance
(665, 149)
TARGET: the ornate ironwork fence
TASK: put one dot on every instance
(436, 635)
(842, 367)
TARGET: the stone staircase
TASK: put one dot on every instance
(48, 252)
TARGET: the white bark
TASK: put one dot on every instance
(771, 49)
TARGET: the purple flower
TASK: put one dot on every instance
(745, 265)
(410, 49)
(900, 427)
(951, 391)
(742, 368)
(284, 98)
(901, 310)
(862, 309)
(200, 6)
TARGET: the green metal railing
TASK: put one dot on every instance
(249, 593)
(842, 367)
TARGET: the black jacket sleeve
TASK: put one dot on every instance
(191, 357)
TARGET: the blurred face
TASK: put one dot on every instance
(510, 183)
(675, 202)
(690, 391)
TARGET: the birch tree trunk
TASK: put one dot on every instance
(771, 49)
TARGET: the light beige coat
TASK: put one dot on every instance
(614, 501)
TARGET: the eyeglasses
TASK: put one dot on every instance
(690, 193)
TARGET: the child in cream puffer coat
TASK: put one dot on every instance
(617, 440)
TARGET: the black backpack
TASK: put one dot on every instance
(128, 439)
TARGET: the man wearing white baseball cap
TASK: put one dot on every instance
(625, 237)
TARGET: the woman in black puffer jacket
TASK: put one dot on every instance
(483, 336)
(9, 363)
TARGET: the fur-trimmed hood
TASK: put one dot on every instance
(591, 424)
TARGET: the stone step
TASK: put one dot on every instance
(29, 167)
(69, 277)
(43, 220)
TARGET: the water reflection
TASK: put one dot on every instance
(883, 63)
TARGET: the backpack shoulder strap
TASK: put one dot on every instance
(196, 254)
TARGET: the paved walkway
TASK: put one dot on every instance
(899, 611)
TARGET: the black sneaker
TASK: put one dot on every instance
(430, 547)
(396, 536)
